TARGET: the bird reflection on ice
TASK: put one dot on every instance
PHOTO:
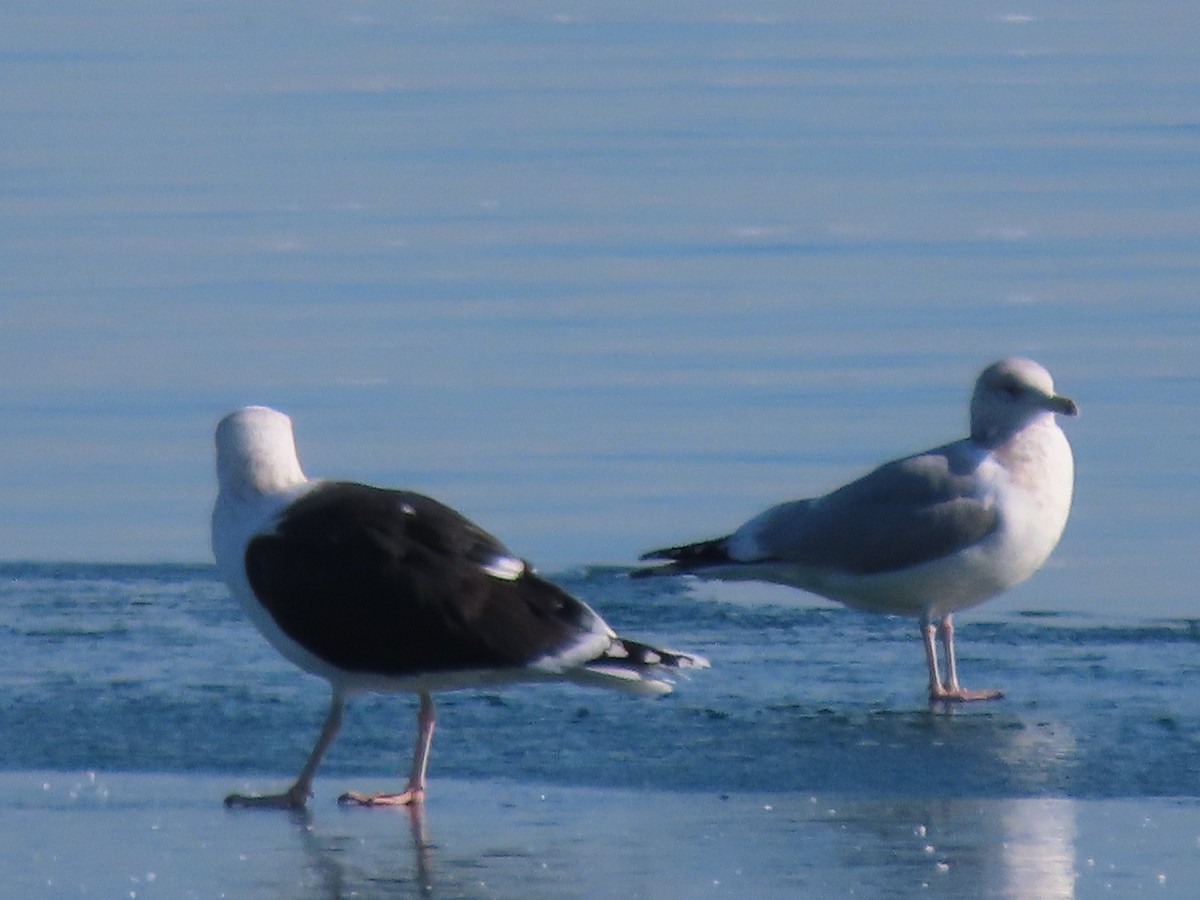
(946, 847)
(334, 865)
(940, 840)
(954, 847)
(1038, 853)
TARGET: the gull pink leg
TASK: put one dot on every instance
(951, 690)
(297, 795)
(414, 791)
(928, 630)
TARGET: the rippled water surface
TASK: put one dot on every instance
(601, 275)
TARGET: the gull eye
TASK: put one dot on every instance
(1011, 388)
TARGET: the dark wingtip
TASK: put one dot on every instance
(686, 557)
(679, 560)
(671, 556)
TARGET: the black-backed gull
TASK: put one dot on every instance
(389, 590)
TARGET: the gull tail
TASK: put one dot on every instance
(634, 654)
(636, 667)
(686, 558)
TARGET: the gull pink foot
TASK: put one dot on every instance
(961, 695)
(408, 797)
(291, 799)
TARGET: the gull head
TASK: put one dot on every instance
(256, 452)
(1011, 394)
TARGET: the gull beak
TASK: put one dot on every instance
(1062, 405)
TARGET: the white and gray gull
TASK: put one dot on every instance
(927, 535)
(388, 590)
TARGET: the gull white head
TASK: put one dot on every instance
(1011, 394)
(256, 452)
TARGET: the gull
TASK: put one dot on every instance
(388, 590)
(927, 535)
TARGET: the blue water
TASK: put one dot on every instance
(600, 276)
(154, 669)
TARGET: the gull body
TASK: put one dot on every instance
(927, 535)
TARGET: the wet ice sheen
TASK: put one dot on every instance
(163, 836)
